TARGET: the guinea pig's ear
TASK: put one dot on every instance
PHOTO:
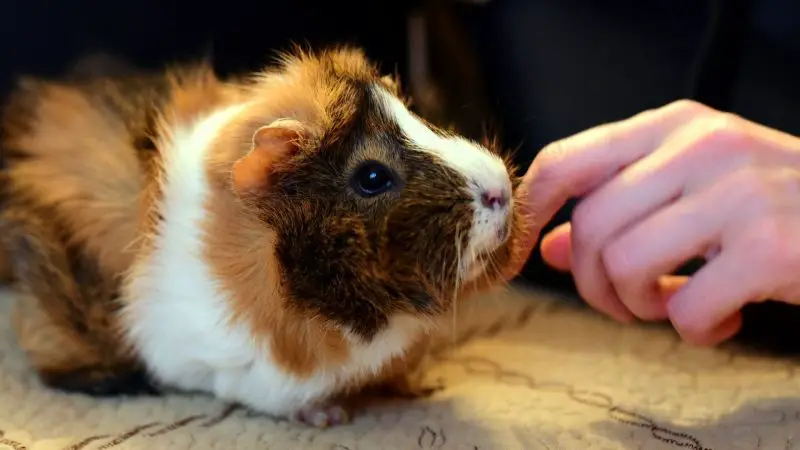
(271, 144)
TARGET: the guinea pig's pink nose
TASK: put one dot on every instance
(493, 199)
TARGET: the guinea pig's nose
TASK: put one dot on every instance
(494, 199)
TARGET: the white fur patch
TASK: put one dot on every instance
(483, 170)
(176, 312)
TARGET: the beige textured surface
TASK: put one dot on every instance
(565, 379)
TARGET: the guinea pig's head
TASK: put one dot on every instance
(373, 211)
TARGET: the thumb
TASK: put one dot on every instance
(556, 247)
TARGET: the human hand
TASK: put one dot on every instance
(661, 188)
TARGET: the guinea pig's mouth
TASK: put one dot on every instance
(489, 259)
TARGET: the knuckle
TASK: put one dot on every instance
(761, 245)
(761, 192)
(548, 160)
(724, 125)
(772, 243)
(717, 136)
(618, 263)
(687, 107)
(722, 131)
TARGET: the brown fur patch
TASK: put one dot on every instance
(65, 320)
(79, 163)
(242, 255)
(65, 361)
(194, 91)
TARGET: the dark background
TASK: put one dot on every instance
(532, 71)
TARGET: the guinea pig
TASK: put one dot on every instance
(282, 240)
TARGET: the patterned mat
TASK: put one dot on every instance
(528, 373)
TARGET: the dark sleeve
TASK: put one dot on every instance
(544, 69)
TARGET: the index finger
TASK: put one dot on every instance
(582, 162)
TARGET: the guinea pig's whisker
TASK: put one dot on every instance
(457, 286)
(459, 259)
(496, 270)
(491, 268)
(442, 287)
(493, 265)
(432, 324)
(135, 242)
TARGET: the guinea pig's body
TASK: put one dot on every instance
(279, 242)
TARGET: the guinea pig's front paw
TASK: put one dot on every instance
(321, 415)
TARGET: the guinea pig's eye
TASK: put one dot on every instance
(371, 179)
